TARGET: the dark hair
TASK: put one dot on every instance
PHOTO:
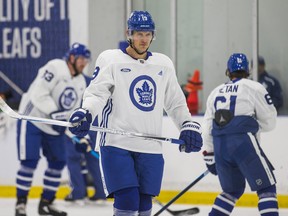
(237, 74)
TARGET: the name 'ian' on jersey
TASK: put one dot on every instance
(53, 90)
(137, 91)
(243, 97)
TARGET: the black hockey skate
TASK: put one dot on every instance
(46, 208)
(20, 209)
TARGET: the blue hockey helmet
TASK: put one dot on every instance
(140, 21)
(238, 62)
(78, 49)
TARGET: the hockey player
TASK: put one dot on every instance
(236, 112)
(55, 93)
(130, 89)
(80, 163)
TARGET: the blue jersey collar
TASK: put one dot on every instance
(148, 54)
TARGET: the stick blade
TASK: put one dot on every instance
(185, 212)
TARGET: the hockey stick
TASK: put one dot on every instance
(181, 193)
(6, 109)
(77, 140)
(183, 212)
(11, 83)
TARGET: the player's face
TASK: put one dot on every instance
(79, 64)
(142, 40)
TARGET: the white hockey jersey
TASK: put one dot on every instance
(137, 91)
(54, 89)
(243, 97)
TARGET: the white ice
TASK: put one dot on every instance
(89, 209)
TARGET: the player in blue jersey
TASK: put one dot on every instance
(54, 93)
(236, 113)
(81, 164)
(130, 89)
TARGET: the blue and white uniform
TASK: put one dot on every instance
(132, 94)
(141, 86)
(238, 155)
(243, 97)
(53, 90)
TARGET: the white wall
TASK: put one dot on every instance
(227, 28)
(180, 168)
(208, 32)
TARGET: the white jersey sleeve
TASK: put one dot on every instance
(265, 111)
(101, 86)
(175, 102)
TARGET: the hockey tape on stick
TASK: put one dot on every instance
(6, 109)
(181, 193)
(77, 140)
(183, 212)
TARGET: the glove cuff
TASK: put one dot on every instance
(194, 126)
(59, 115)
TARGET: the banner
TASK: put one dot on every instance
(31, 33)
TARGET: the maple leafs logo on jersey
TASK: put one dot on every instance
(145, 93)
(142, 93)
(68, 98)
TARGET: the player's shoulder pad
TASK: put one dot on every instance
(108, 56)
(253, 84)
(55, 66)
(164, 59)
(110, 53)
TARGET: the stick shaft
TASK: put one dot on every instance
(182, 192)
(6, 109)
(11, 83)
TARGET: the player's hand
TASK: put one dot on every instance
(210, 162)
(81, 119)
(82, 145)
(191, 134)
(61, 116)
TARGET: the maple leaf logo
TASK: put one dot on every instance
(145, 94)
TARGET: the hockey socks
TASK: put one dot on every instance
(268, 203)
(223, 205)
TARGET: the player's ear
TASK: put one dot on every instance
(227, 72)
(72, 59)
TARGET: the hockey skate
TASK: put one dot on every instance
(20, 209)
(69, 198)
(46, 208)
